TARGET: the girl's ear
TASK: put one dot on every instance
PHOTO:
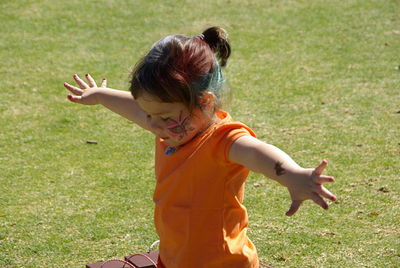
(207, 101)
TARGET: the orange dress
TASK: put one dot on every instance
(199, 215)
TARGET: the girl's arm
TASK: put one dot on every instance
(118, 101)
(270, 161)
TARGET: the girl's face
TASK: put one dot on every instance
(173, 122)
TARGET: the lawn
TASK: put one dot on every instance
(319, 79)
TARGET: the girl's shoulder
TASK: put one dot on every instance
(227, 125)
(225, 133)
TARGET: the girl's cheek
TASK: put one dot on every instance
(179, 128)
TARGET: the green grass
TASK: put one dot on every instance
(319, 79)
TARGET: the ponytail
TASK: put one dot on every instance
(217, 39)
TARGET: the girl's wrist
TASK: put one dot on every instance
(100, 95)
(287, 176)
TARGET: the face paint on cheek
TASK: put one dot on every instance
(180, 127)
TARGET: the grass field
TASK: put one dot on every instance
(319, 79)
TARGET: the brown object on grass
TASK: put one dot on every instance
(145, 260)
(110, 264)
(141, 260)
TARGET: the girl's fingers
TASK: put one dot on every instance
(322, 179)
(318, 199)
(74, 98)
(90, 80)
(293, 207)
(104, 82)
(318, 170)
(73, 89)
(80, 82)
(325, 193)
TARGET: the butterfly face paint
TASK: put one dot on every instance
(180, 127)
(172, 122)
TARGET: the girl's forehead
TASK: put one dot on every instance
(153, 106)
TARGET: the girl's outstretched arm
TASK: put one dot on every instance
(118, 101)
(303, 184)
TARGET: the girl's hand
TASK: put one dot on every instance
(309, 186)
(86, 93)
(303, 184)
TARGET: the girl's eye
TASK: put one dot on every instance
(164, 119)
(177, 129)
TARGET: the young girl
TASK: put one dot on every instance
(203, 156)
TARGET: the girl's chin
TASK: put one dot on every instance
(170, 142)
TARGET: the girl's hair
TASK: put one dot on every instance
(180, 68)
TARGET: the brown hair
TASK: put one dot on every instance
(180, 69)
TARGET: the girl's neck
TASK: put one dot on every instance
(209, 121)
